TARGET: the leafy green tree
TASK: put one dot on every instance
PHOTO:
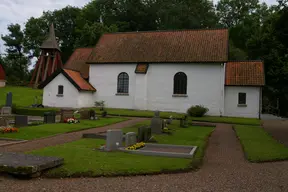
(16, 61)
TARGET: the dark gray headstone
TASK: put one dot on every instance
(9, 100)
(49, 117)
(156, 123)
(144, 133)
(21, 121)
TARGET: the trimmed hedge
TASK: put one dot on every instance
(33, 111)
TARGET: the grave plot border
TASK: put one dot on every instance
(164, 154)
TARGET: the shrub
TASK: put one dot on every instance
(32, 111)
(197, 111)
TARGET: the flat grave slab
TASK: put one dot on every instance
(25, 164)
(164, 150)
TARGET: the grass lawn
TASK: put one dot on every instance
(259, 146)
(22, 96)
(44, 130)
(230, 120)
(89, 162)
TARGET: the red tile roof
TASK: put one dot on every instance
(78, 79)
(245, 73)
(205, 45)
(77, 61)
(2, 73)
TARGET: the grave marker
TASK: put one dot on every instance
(130, 139)
(4, 122)
(114, 140)
(6, 111)
(66, 113)
(9, 100)
(21, 120)
(156, 123)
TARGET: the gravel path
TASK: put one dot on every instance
(224, 169)
(64, 138)
(278, 129)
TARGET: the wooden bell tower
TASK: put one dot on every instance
(49, 60)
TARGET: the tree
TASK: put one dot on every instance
(16, 61)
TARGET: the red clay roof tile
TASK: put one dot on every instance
(77, 61)
(205, 45)
(245, 73)
(78, 79)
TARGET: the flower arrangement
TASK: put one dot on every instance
(136, 146)
(71, 120)
(8, 130)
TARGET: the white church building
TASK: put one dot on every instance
(159, 70)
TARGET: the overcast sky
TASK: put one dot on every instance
(18, 11)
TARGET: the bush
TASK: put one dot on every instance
(197, 111)
(32, 111)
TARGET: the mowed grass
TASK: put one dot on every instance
(229, 120)
(259, 146)
(22, 96)
(212, 119)
(45, 130)
(82, 157)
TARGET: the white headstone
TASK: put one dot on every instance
(114, 140)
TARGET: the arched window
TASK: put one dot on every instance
(180, 83)
(60, 89)
(123, 83)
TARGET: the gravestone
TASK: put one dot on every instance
(21, 120)
(9, 100)
(184, 122)
(144, 133)
(6, 111)
(85, 114)
(92, 115)
(114, 140)
(66, 113)
(49, 117)
(156, 123)
(4, 122)
(130, 139)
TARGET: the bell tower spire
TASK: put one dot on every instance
(49, 60)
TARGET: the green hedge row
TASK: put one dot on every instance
(32, 111)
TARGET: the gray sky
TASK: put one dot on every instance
(18, 11)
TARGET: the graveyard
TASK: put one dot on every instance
(93, 160)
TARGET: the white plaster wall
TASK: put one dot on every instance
(205, 86)
(140, 99)
(70, 93)
(104, 78)
(2, 83)
(252, 100)
(85, 99)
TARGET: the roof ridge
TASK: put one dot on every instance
(172, 30)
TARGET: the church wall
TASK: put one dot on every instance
(104, 78)
(68, 99)
(154, 90)
(205, 86)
